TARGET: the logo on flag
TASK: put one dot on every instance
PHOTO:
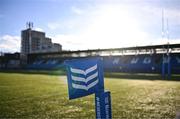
(85, 77)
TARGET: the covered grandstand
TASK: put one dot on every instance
(161, 59)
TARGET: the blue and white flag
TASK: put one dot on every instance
(85, 77)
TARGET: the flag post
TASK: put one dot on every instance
(103, 105)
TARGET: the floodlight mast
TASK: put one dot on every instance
(168, 51)
(163, 63)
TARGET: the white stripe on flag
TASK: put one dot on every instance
(75, 78)
(92, 84)
(91, 69)
(80, 71)
(92, 77)
(83, 87)
(77, 86)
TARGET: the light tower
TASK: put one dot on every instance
(168, 51)
(163, 34)
(166, 69)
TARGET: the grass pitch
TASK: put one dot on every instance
(46, 96)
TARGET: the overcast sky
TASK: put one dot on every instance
(90, 24)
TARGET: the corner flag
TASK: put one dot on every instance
(85, 77)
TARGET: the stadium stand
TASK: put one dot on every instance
(138, 64)
(45, 64)
(126, 63)
(143, 59)
(10, 61)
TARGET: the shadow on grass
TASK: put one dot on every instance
(138, 76)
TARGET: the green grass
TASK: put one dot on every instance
(46, 96)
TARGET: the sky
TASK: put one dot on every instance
(91, 24)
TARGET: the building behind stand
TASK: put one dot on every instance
(33, 41)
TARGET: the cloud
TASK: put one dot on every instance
(38, 29)
(165, 41)
(9, 43)
(114, 26)
(69, 41)
(75, 20)
(73, 24)
(53, 25)
(77, 11)
(156, 11)
(68, 24)
(173, 15)
(106, 26)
